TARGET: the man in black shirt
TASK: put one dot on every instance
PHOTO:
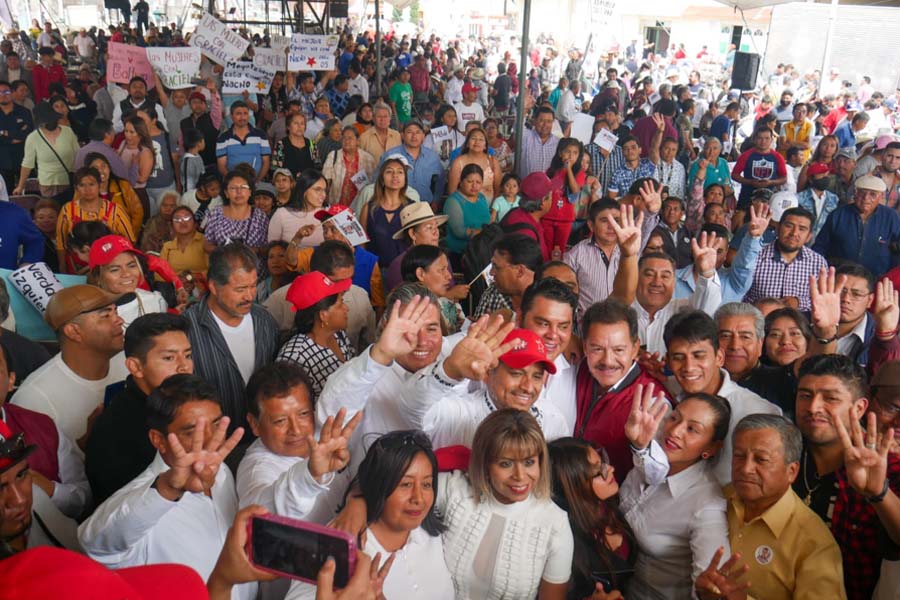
(119, 448)
(502, 86)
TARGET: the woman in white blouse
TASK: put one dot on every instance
(671, 499)
(397, 486)
(504, 538)
(310, 196)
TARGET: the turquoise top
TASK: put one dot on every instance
(463, 215)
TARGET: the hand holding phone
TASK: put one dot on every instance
(298, 550)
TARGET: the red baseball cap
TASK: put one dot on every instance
(105, 249)
(469, 87)
(309, 288)
(537, 185)
(44, 572)
(323, 214)
(818, 168)
(530, 350)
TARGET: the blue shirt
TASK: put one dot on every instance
(250, 150)
(17, 229)
(845, 135)
(806, 199)
(719, 127)
(869, 244)
(403, 60)
(337, 100)
(424, 169)
(736, 280)
(344, 62)
(624, 177)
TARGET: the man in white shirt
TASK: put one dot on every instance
(548, 309)
(180, 508)
(70, 387)
(448, 401)
(453, 92)
(359, 86)
(285, 470)
(469, 109)
(410, 340)
(137, 98)
(567, 107)
(85, 46)
(696, 361)
(648, 283)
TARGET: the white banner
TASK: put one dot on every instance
(175, 66)
(239, 77)
(36, 283)
(601, 12)
(272, 60)
(312, 52)
(218, 42)
(279, 42)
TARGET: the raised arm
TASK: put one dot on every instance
(656, 140)
(629, 236)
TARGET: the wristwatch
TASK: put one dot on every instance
(878, 498)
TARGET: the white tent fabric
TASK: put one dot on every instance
(751, 4)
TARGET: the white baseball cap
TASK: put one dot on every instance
(780, 202)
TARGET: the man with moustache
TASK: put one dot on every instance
(847, 476)
(788, 550)
(230, 335)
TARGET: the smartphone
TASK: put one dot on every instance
(198, 81)
(297, 549)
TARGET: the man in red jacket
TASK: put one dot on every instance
(45, 73)
(607, 379)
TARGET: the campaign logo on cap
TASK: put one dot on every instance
(105, 249)
(529, 349)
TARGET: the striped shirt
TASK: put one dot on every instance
(72, 214)
(214, 362)
(249, 150)
(779, 279)
(536, 155)
(595, 272)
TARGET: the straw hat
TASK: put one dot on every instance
(416, 213)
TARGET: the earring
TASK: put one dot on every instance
(705, 455)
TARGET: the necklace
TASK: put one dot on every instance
(809, 492)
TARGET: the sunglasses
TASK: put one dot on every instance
(603, 469)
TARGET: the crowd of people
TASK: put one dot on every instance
(661, 361)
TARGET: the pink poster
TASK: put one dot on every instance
(127, 61)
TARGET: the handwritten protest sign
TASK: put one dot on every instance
(347, 224)
(312, 52)
(272, 60)
(175, 66)
(36, 283)
(279, 42)
(440, 134)
(218, 42)
(239, 77)
(29, 319)
(126, 62)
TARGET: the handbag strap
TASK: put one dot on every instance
(53, 150)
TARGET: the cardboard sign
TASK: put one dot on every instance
(441, 134)
(347, 224)
(126, 62)
(312, 52)
(279, 42)
(29, 320)
(216, 41)
(360, 179)
(272, 60)
(606, 139)
(36, 283)
(582, 127)
(175, 66)
(239, 77)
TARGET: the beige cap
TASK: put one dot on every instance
(870, 182)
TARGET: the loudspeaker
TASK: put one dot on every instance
(746, 68)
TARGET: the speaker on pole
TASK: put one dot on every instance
(745, 70)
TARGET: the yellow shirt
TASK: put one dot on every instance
(791, 553)
(194, 258)
(792, 133)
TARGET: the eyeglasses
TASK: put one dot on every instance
(603, 470)
(888, 408)
(238, 188)
(184, 219)
(6, 93)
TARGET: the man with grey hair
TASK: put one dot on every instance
(231, 336)
(380, 138)
(409, 338)
(25, 356)
(741, 335)
(788, 549)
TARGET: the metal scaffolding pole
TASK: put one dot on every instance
(523, 77)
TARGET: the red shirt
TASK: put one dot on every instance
(529, 227)
(42, 77)
(644, 128)
(561, 209)
(833, 119)
(601, 417)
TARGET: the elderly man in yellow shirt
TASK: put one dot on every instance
(780, 548)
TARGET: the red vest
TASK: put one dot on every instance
(601, 419)
(40, 430)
